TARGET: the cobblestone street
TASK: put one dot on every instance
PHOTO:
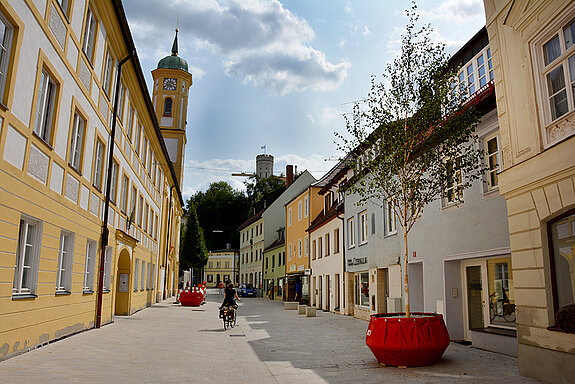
(168, 343)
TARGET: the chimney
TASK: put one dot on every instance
(289, 175)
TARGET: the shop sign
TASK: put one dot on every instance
(307, 271)
(300, 268)
(357, 261)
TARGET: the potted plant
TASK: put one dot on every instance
(414, 141)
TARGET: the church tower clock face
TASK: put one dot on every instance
(170, 84)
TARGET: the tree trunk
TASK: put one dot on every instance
(405, 276)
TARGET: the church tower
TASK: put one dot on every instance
(172, 82)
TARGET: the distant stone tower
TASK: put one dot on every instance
(264, 165)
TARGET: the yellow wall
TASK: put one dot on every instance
(539, 173)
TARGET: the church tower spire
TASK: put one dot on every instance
(172, 82)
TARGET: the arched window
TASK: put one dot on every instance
(168, 106)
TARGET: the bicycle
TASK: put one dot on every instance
(505, 310)
(228, 315)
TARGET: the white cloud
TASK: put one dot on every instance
(456, 11)
(366, 32)
(262, 42)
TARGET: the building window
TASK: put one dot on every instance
(77, 141)
(107, 268)
(114, 182)
(299, 249)
(363, 227)
(319, 248)
(27, 257)
(227, 264)
(130, 124)
(305, 206)
(6, 33)
(299, 210)
(45, 107)
(210, 278)
(143, 276)
(168, 106)
(218, 265)
(314, 250)
(65, 262)
(89, 35)
(501, 293)
(476, 74)
(289, 252)
(327, 245)
(133, 205)
(492, 162)
(98, 164)
(210, 264)
(336, 240)
(389, 215)
(454, 192)
(351, 232)
(289, 217)
(125, 189)
(136, 274)
(363, 289)
(306, 246)
(138, 139)
(89, 266)
(562, 254)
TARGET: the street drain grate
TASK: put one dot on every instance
(237, 335)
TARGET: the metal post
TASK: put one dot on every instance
(105, 230)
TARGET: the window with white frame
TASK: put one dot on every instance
(306, 206)
(27, 257)
(89, 266)
(6, 36)
(121, 98)
(289, 252)
(363, 227)
(306, 246)
(136, 274)
(314, 250)
(138, 139)
(476, 73)
(125, 191)
(299, 210)
(149, 278)
(77, 141)
(143, 276)
(98, 164)
(336, 240)
(108, 268)
(327, 244)
(389, 216)
(168, 106)
(65, 262)
(351, 232)
(114, 182)
(453, 194)
(319, 247)
(89, 35)
(289, 217)
(556, 63)
(153, 283)
(45, 107)
(299, 249)
(491, 146)
(130, 123)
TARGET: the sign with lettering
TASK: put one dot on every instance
(357, 261)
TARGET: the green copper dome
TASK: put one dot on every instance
(174, 61)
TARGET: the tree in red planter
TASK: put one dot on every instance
(415, 143)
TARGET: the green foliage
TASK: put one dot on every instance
(413, 131)
(258, 187)
(193, 251)
(222, 209)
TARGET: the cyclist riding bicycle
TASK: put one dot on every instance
(230, 297)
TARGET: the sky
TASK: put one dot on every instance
(279, 74)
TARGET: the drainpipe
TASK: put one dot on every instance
(167, 245)
(105, 231)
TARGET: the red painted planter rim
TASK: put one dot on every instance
(401, 315)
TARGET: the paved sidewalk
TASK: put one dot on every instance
(167, 343)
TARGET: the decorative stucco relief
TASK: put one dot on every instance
(560, 130)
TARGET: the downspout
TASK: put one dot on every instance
(167, 245)
(105, 231)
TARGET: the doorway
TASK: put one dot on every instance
(327, 292)
(123, 290)
(336, 293)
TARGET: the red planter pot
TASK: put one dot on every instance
(413, 342)
(191, 297)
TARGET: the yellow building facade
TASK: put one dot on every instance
(533, 50)
(69, 76)
(300, 211)
(222, 266)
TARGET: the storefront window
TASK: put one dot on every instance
(363, 289)
(563, 257)
(501, 293)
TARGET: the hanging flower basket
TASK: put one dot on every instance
(411, 342)
(192, 297)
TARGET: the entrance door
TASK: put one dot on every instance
(474, 301)
(123, 290)
(336, 293)
(320, 301)
(327, 292)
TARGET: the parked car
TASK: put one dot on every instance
(247, 290)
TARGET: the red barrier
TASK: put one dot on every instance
(192, 297)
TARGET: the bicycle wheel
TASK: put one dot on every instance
(233, 319)
(492, 310)
(509, 313)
